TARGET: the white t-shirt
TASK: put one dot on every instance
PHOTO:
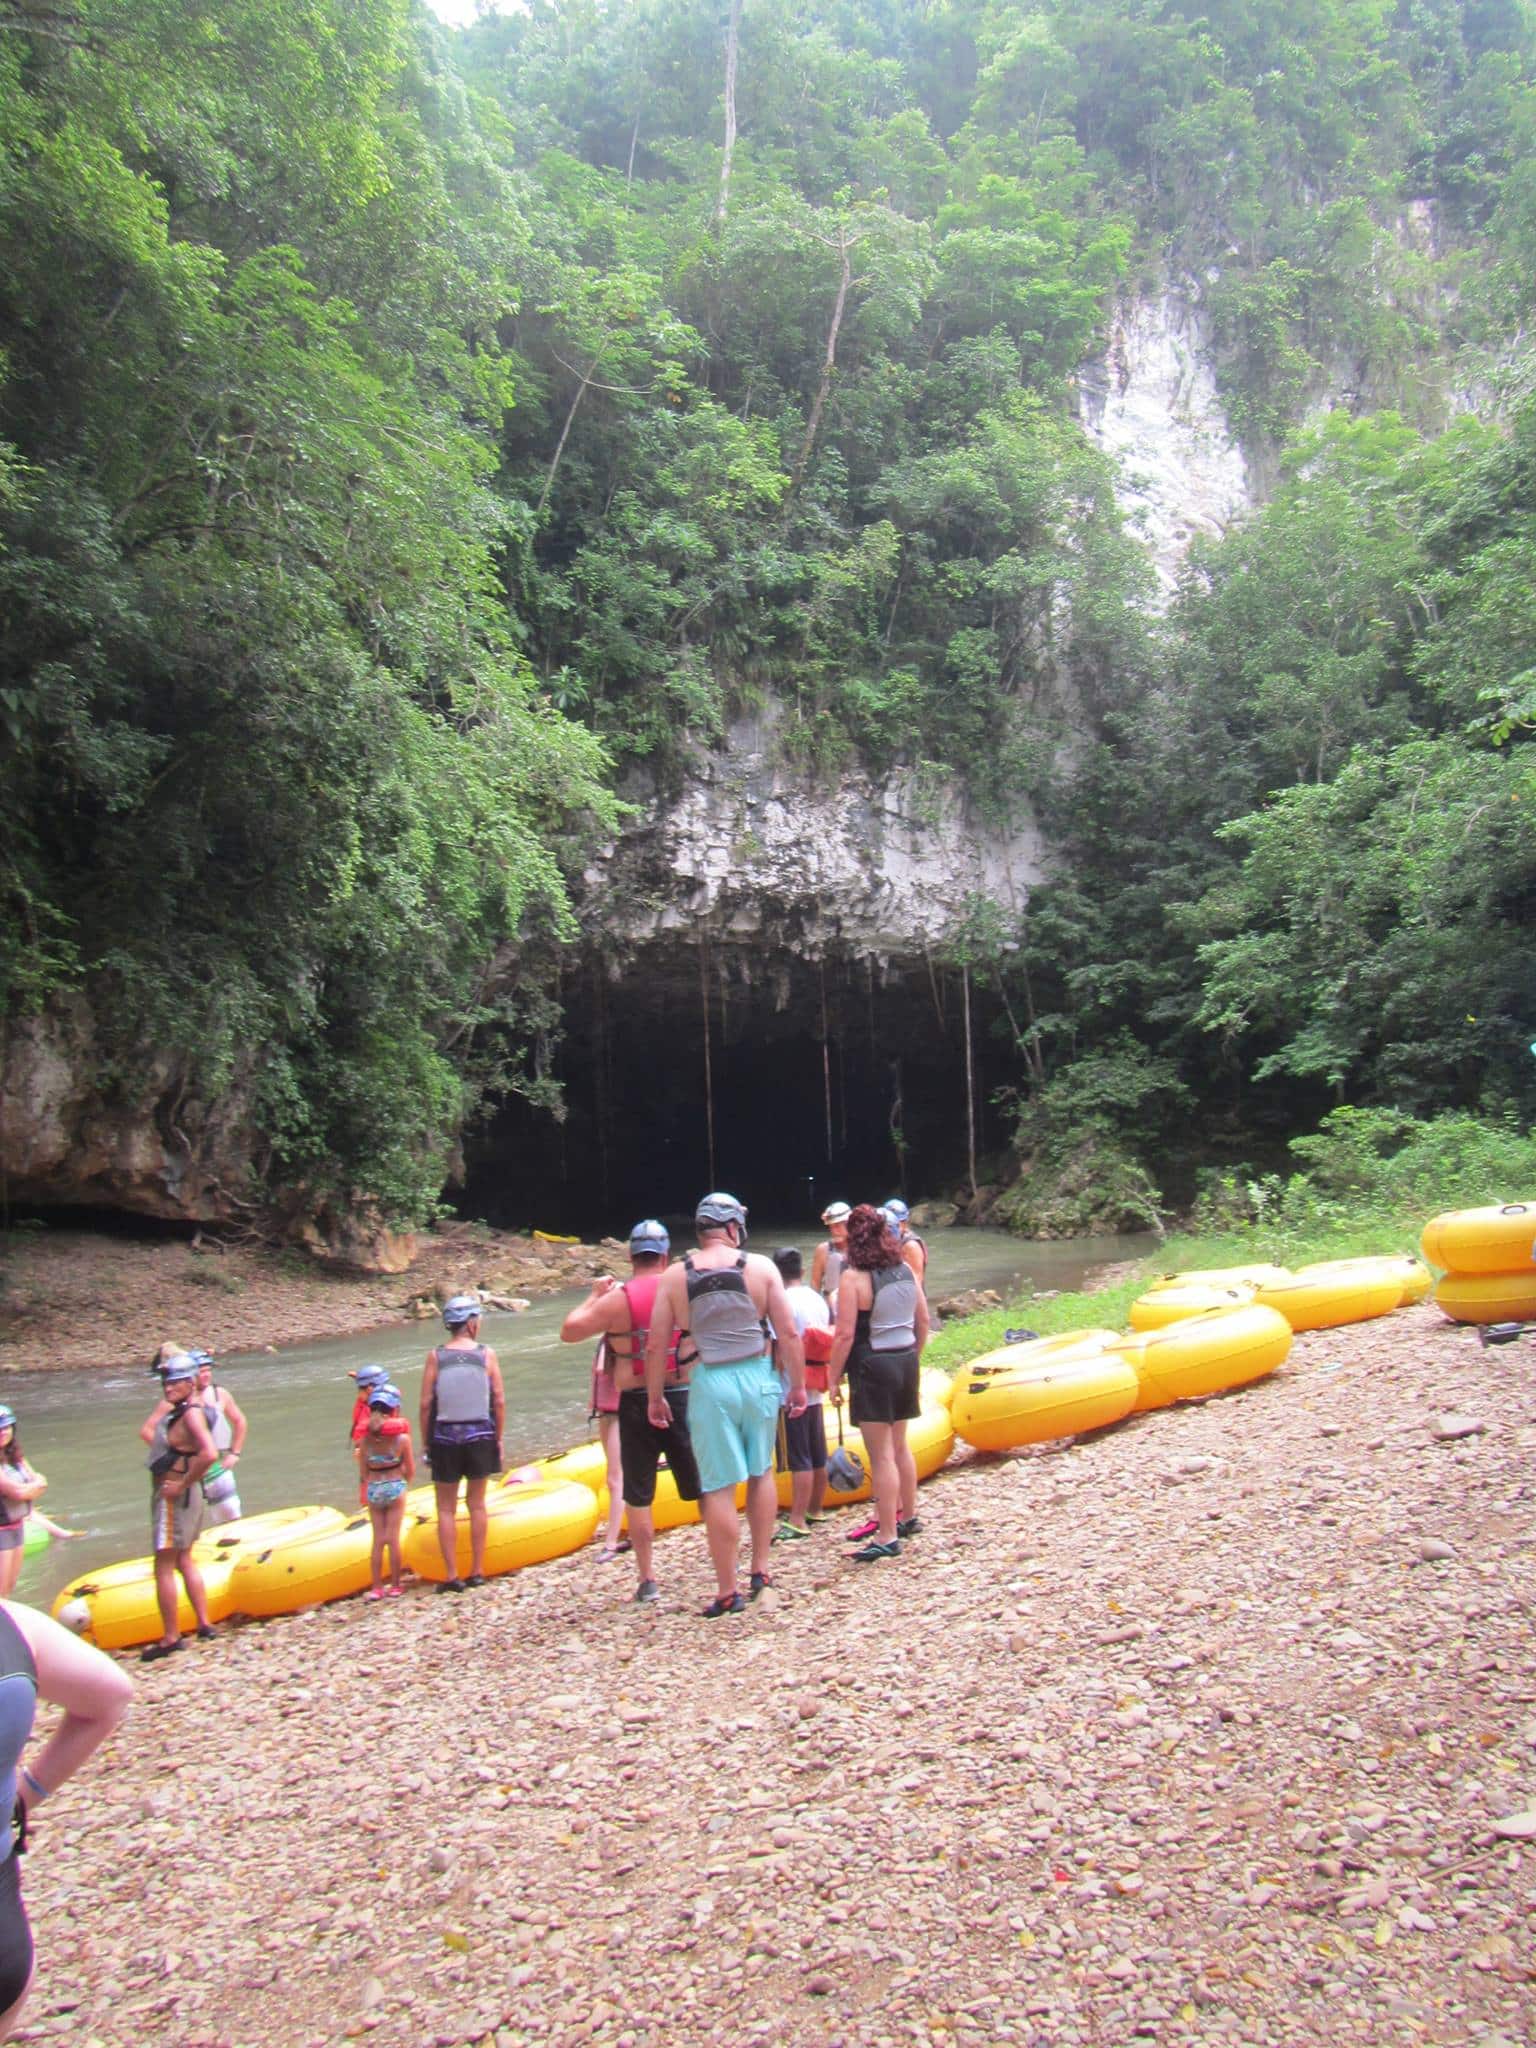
(810, 1313)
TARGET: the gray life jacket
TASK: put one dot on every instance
(463, 1392)
(722, 1317)
(833, 1270)
(893, 1311)
(220, 1427)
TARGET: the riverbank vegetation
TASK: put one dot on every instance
(405, 433)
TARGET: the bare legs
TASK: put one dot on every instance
(168, 1563)
(642, 1534)
(387, 1523)
(608, 1436)
(885, 1472)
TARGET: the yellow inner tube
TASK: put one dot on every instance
(1413, 1277)
(1050, 1397)
(1488, 1297)
(116, 1607)
(1498, 1239)
(524, 1525)
(1322, 1298)
(1164, 1305)
(253, 1533)
(327, 1564)
(1256, 1275)
(1010, 1358)
(1205, 1354)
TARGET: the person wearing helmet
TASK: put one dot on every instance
(908, 1243)
(386, 1465)
(227, 1426)
(180, 1452)
(882, 1326)
(463, 1409)
(831, 1255)
(725, 1299)
(20, 1486)
(619, 1315)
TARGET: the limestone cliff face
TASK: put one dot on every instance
(753, 851)
(1151, 403)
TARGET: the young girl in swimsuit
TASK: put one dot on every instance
(386, 1465)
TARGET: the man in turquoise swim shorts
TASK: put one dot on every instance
(723, 1299)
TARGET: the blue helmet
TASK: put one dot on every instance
(718, 1209)
(200, 1357)
(369, 1376)
(649, 1236)
(385, 1397)
(897, 1209)
(7, 1417)
(462, 1309)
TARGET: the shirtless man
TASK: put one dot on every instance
(620, 1313)
(723, 1298)
(180, 1452)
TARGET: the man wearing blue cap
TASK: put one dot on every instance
(724, 1299)
(620, 1314)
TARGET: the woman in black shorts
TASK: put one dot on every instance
(882, 1326)
(38, 1658)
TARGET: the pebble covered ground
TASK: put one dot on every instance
(1218, 1727)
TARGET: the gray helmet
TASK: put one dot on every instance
(717, 1209)
(462, 1309)
(179, 1366)
(649, 1236)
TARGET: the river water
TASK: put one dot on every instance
(80, 1429)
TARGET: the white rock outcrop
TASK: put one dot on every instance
(1151, 403)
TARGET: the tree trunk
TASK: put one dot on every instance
(732, 29)
(829, 361)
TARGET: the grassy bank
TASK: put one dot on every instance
(1296, 1243)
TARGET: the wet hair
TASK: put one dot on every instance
(789, 1262)
(871, 1248)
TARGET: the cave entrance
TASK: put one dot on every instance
(811, 1068)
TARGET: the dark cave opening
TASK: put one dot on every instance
(810, 1068)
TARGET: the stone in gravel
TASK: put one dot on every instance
(438, 1860)
(1450, 1428)
(1434, 1550)
(820, 1985)
(1517, 1827)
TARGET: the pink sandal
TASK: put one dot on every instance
(374, 1593)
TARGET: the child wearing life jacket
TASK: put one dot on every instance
(369, 1379)
(386, 1465)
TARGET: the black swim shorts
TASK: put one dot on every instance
(805, 1440)
(641, 1447)
(479, 1458)
(885, 1385)
(15, 1936)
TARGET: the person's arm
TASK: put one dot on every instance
(594, 1317)
(20, 1482)
(234, 1415)
(409, 1455)
(912, 1255)
(94, 1692)
(789, 1349)
(428, 1394)
(818, 1265)
(843, 1335)
(54, 1528)
(668, 1312)
(920, 1321)
(498, 1395)
(157, 1415)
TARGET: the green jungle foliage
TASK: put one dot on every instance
(401, 432)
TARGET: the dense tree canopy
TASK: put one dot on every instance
(399, 430)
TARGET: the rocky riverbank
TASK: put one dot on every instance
(77, 1299)
(1216, 1728)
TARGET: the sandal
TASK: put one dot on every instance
(786, 1532)
(206, 1632)
(475, 1579)
(393, 1592)
(725, 1603)
(451, 1586)
(872, 1553)
(374, 1593)
(864, 1531)
(910, 1527)
(761, 1583)
(158, 1650)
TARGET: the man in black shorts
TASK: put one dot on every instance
(619, 1314)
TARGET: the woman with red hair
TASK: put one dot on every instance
(882, 1326)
